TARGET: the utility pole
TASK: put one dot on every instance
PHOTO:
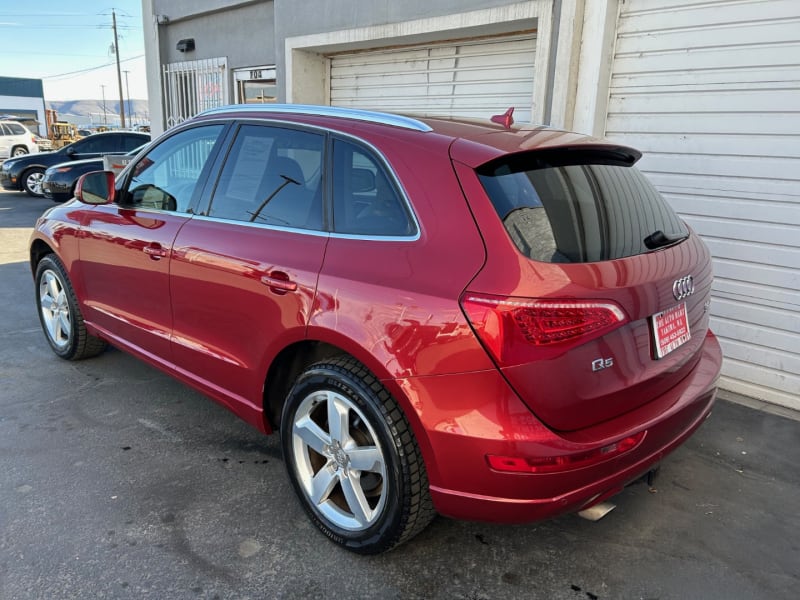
(119, 73)
(105, 118)
(128, 93)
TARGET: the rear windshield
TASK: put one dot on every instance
(584, 209)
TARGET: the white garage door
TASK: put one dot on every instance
(711, 92)
(476, 78)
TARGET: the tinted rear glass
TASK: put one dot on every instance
(584, 212)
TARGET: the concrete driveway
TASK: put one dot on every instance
(119, 482)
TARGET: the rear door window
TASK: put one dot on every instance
(100, 144)
(272, 176)
(583, 209)
(16, 129)
(131, 142)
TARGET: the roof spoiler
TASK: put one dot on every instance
(563, 156)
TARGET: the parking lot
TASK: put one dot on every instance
(118, 482)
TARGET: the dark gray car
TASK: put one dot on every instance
(25, 173)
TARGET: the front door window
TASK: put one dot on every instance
(166, 178)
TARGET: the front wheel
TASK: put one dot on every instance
(352, 458)
(60, 315)
(32, 182)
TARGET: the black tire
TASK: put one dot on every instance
(19, 151)
(395, 486)
(60, 315)
(32, 182)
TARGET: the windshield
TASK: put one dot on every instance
(584, 212)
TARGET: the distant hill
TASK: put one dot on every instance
(90, 112)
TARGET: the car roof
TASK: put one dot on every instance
(118, 131)
(473, 141)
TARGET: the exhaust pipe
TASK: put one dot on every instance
(597, 512)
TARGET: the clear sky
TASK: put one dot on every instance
(68, 45)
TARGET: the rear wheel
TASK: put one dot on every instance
(19, 151)
(60, 315)
(353, 459)
(32, 182)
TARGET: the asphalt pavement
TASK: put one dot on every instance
(117, 481)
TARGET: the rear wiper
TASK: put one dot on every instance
(659, 239)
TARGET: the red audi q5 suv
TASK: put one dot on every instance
(485, 320)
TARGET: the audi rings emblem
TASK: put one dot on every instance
(683, 287)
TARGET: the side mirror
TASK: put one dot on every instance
(96, 187)
(70, 150)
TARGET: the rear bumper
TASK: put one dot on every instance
(465, 487)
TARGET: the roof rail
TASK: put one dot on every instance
(324, 111)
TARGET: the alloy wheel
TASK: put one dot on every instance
(55, 310)
(339, 464)
(33, 182)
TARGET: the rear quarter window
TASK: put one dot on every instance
(588, 211)
(365, 199)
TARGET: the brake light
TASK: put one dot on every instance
(519, 330)
(563, 462)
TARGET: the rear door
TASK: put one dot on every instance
(126, 247)
(244, 271)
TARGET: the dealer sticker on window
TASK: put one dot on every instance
(670, 329)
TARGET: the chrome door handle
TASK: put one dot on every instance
(155, 252)
(279, 282)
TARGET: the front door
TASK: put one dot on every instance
(126, 247)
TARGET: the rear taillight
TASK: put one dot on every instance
(563, 462)
(519, 330)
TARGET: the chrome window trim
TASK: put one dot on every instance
(314, 232)
(301, 230)
(357, 114)
(377, 238)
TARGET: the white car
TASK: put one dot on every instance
(16, 140)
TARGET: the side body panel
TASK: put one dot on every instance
(231, 316)
(399, 301)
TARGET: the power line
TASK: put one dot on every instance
(20, 27)
(92, 68)
(48, 14)
(28, 52)
(82, 15)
